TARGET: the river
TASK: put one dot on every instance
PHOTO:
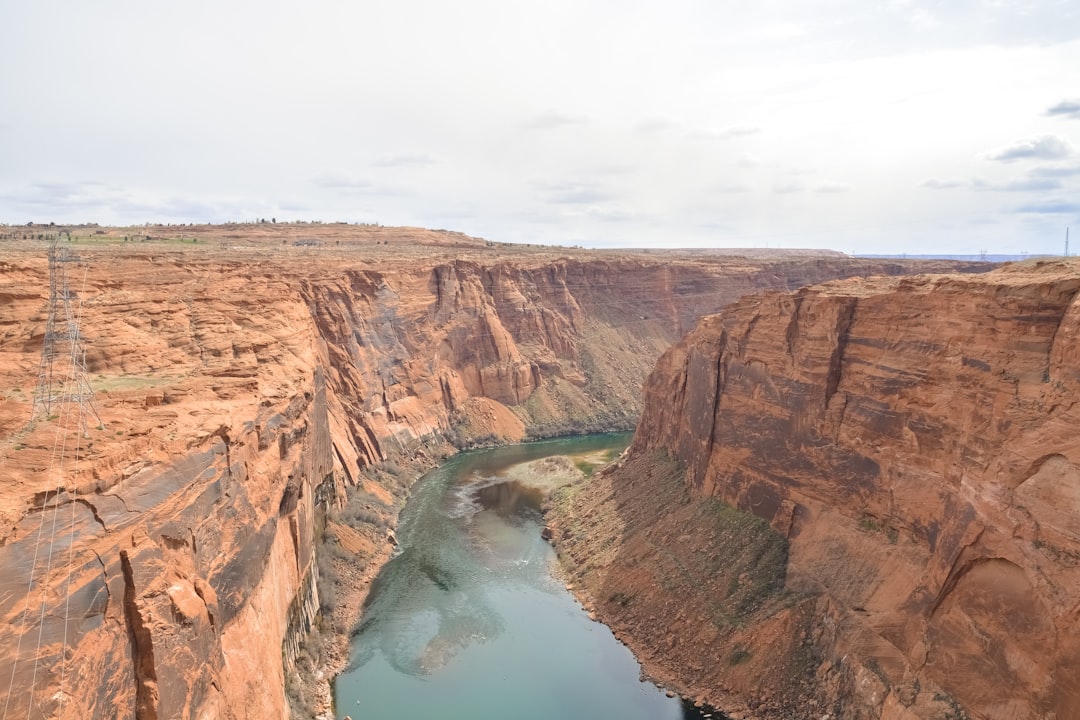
(467, 620)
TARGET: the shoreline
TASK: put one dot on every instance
(655, 672)
(576, 575)
(336, 649)
(354, 584)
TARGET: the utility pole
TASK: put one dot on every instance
(1066, 241)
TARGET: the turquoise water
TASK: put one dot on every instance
(467, 621)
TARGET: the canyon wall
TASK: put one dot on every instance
(158, 542)
(911, 444)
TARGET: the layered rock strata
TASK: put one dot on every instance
(912, 443)
(157, 551)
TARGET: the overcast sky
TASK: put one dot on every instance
(891, 126)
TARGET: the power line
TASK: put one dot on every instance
(63, 394)
(61, 340)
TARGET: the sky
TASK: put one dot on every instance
(895, 126)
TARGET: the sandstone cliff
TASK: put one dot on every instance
(912, 444)
(157, 555)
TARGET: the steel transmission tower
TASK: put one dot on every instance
(62, 369)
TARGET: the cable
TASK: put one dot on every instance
(57, 433)
(65, 412)
(71, 531)
(73, 378)
(70, 381)
(37, 545)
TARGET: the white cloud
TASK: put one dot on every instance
(611, 170)
(348, 184)
(613, 215)
(342, 181)
(656, 125)
(784, 31)
(414, 160)
(578, 196)
(552, 120)
(450, 126)
(1043, 147)
(1066, 108)
(1055, 171)
(1032, 183)
(923, 19)
(70, 202)
(727, 132)
(1038, 185)
(574, 193)
(1051, 207)
(936, 184)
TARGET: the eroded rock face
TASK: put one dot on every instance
(915, 441)
(151, 565)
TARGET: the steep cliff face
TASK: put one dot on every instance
(517, 347)
(155, 549)
(148, 562)
(914, 442)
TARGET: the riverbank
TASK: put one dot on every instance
(470, 596)
(335, 649)
(357, 541)
(682, 600)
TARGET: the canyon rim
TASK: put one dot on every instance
(201, 470)
(855, 500)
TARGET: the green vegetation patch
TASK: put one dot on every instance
(868, 523)
(102, 383)
(364, 508)
(873, 666)
(746, 559)
(955, 711)
(589, 462)
(1061, 555)
(738, 656)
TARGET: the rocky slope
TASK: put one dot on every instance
(911, 444)
(158, 551)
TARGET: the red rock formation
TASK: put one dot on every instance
(150, 566)
(915, 441)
